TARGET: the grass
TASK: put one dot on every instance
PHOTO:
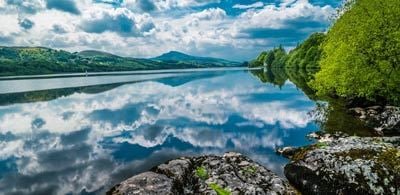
(202, 173)
(250, 170)
(219, 189)
(321, 145)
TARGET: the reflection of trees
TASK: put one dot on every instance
(301, 77)
(331, 117)
(334, 117)
(47, 95)
(274, 76)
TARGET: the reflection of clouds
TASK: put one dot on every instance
(195, 101)
(61, 141)
(203, 137)
(11, 149)
(271, 113)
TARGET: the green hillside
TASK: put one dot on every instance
(40, 60)
(174, 56)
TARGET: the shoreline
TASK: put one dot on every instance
(336, 164)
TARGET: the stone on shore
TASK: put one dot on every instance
(145, 183)
(347, 165)
(231, 173)
(385, 120)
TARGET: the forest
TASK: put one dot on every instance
(357, 58)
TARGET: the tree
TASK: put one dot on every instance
(361, 54)
(307, 54)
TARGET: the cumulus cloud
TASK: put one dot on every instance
(289, 23)
(121, 21)
(143, 28)
(25, 6)
(210, 14)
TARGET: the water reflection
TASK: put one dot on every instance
(330, 114)
(74, 141)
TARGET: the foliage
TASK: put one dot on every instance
(219, 190)
(361, 54)
(273, 58)
(305, 55)
(202, 173)
(250, 170)
(40, 60)
(321, 145)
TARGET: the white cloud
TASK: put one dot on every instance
(254, 5)
(175, 25)
(210, 14)
(276, 17)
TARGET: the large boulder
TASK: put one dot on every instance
(231, 173)
(347, 165)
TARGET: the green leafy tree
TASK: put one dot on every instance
(307, 54)
(361, 54)
(272, 58)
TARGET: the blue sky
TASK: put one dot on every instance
(231, 29)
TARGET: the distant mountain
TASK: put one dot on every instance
(41, 60)
(182, 57)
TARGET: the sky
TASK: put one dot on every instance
(231, 29)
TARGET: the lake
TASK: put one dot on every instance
(82, 135)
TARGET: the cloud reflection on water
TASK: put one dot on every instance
(82, 142)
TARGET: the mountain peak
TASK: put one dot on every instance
(179, 56)
(176, 56)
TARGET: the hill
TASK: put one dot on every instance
(94, 53)
(182, 57)
(41, 60)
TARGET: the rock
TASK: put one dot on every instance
(232, 173)
(145, 183)
(177, 170)
(236, 173)
(313, 135)
(347, 165)
(287, 152)
(385, 120)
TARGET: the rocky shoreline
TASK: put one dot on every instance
(335, 164)
(385, 120)
(346, 165)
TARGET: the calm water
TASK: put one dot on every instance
(86, 139)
